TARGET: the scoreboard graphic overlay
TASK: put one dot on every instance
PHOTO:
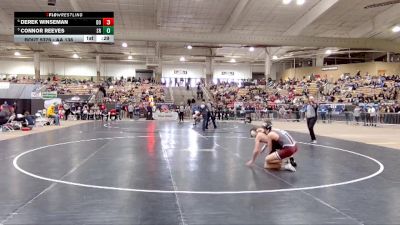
(89, 27)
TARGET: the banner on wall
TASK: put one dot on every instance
(36, 94)
(229, 74)
(232, 72)
(330, 68)
(183, 71)
(180, 72)
(4, 85)
(165, 116)
(336, 108)
(49, 94)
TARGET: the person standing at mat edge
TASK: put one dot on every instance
(311, 115)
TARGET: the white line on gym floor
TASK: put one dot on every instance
(16, 165)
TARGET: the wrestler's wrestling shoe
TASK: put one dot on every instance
(288, 167)
(292, 162)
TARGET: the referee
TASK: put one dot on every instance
(311, 115)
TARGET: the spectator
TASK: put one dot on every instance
(372, 116)
(67, 109)
(130, 110)
(30, 120)
(346, 112)
(356, 113)
(149, 110)
(118, 108)
(51, 114)
(323, 114)
(198, 91)
(4, 114)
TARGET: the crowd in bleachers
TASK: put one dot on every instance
(126, 98)
(112, 99)
(130, 98)
(357, 89)
(122, 90)
(347, 89)
(249, 97)
(134, 92)
(288, 97)
(78, 88)
(16, 79)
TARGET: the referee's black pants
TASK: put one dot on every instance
(181, 116)
(310, 124)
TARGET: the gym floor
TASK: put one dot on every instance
(148, 172)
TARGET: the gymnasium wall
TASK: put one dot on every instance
(74, 68)
(232, 71)
(17, 67)
(183, 70)
(258, 69)
(87, 69)
(390, 68)
(372, 68)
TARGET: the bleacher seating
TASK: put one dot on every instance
(347, 90)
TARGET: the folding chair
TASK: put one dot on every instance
(8, 126)
(40, 120)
